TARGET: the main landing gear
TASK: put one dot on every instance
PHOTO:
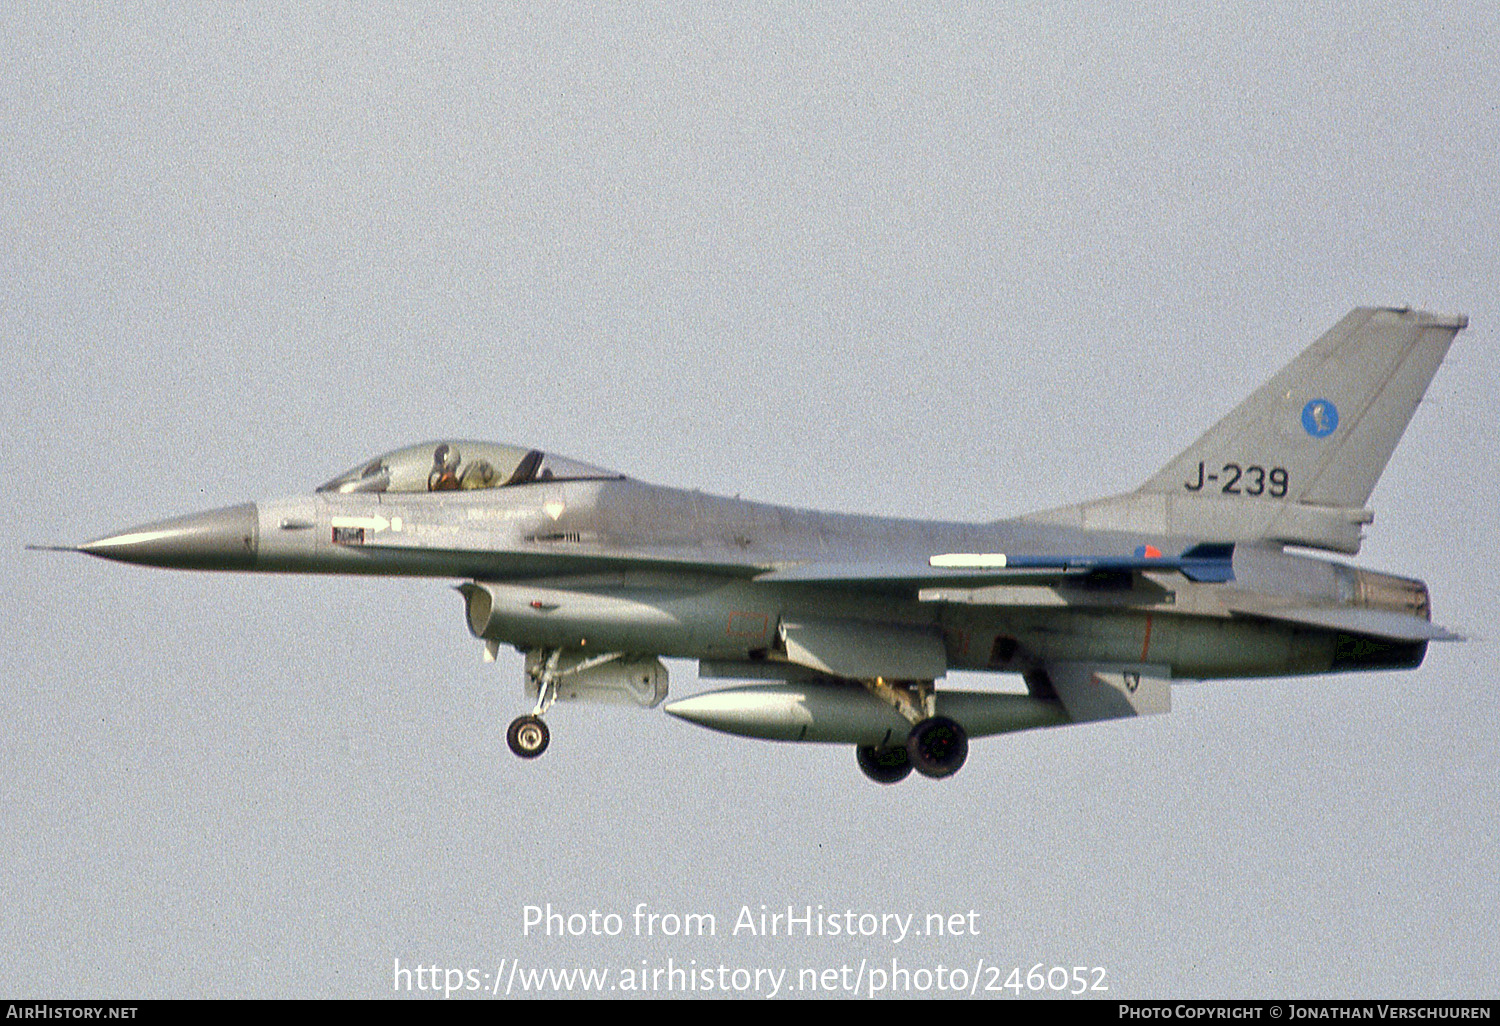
(936, 747)
(889, 765)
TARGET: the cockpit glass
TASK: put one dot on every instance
(447, 466)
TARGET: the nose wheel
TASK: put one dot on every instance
(528, 736)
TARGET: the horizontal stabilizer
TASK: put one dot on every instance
(1375, 623)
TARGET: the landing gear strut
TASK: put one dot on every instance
(528, 735)
(936, 746)
(547, 668)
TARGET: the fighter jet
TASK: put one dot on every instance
(845, 625)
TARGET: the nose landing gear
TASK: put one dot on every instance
(528, 736)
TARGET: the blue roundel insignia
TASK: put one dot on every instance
(1320, 418)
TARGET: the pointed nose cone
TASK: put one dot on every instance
(221, 539)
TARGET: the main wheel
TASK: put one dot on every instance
(883, 765)
(527, 736)
(937, 747)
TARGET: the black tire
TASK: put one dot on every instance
(528, 736)
(883, 765)
(937, 747)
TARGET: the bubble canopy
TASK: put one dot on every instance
(451, 466)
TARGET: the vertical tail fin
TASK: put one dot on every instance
(1296, 461)
(1327, 424)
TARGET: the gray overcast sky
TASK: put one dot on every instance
(951, 261)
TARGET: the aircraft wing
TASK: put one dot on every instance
(1208, 562)
(545, 561)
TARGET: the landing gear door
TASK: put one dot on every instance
(614, 679)
(859, 651)
(1107, 691)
